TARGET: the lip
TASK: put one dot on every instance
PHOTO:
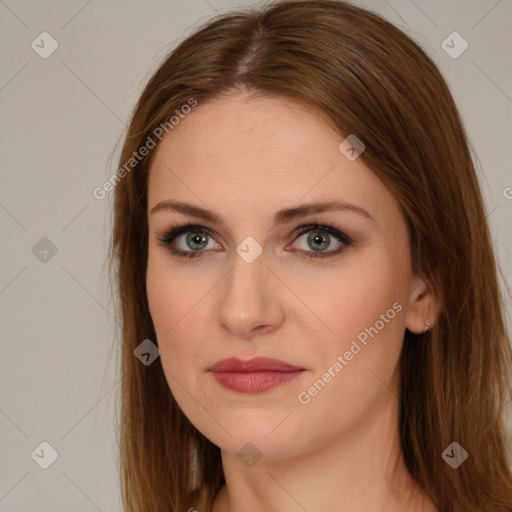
(254, 375)
(256, 364)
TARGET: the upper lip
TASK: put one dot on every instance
(256, 364)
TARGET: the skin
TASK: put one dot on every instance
(246, 158)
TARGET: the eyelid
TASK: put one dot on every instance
(174, 231)
(306, 228)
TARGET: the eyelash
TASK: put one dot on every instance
(176, 230)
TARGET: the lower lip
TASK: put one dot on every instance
(254, 382)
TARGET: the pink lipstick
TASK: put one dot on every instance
(254, 375)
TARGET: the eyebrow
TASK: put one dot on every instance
(281, 217)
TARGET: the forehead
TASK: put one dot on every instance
(265, 153)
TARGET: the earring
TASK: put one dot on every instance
(427, 325)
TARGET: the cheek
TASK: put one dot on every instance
(356, 368)
(353, 297)
(170, 294)
(175, 303)
(364, 309)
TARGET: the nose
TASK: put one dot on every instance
(249, 303)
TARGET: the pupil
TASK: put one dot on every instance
(196, 239)
(316, 238)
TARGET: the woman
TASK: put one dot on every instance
(298, 227)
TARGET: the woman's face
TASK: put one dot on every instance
(246, 168)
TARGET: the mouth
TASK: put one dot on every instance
(254, 375)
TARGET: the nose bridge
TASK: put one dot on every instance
(247, 298)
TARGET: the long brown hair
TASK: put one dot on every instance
(372, 80)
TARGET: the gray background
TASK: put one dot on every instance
(61, 118)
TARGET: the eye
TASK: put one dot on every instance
(190, 240)
(320, 238)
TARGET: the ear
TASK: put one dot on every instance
(422, 306)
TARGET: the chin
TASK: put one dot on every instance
(250, 449)
(256, 435)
